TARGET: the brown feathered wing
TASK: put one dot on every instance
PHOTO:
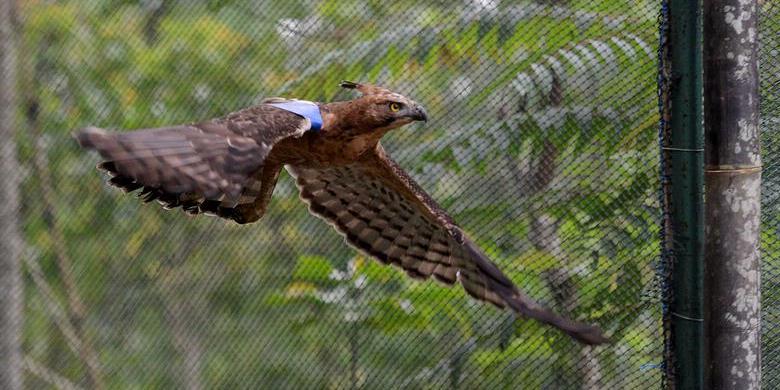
(383, 212)
(217, 167)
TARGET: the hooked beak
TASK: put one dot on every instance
(419, 114)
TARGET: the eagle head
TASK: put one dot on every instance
(376, 111)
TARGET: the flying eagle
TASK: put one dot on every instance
(229, 167)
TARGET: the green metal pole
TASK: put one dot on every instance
(686, 164)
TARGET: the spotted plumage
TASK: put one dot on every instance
(229, 167)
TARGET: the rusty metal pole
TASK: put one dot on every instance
(733, 183)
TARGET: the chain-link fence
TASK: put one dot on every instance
(769, 72)
(542, 143)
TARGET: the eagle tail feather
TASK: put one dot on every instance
(526, 306)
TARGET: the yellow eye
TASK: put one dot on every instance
(394, 107)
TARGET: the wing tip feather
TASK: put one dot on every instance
(89, 137)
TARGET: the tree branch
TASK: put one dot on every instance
(178, 316)
(56, 312)
(11, 244)
(76, 309)
(47, 375)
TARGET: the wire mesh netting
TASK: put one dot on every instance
(769, 74)
(541, 143)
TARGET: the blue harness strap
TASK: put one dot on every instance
(304, 109)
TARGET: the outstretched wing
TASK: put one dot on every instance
(217, 167)
(383, 212)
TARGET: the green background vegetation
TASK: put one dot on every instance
(540, 113)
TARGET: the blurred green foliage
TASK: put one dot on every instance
(769, 76)
(175, 301)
